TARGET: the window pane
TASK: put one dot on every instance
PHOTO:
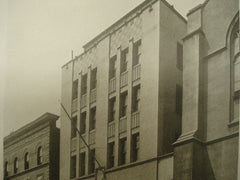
(124, 60)
(73, 127)
(73, 166)
(91, 163)
(93, 78)
(83, 123)
(137, 53)
(237, 75)
(82, 164)
(236, 43)
(84, 84)
(75, 89)
(39, 158)
(236, 109)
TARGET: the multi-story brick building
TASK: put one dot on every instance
(124, 95)
(32, 152)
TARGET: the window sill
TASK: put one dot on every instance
(92, 130)
(233, 123)
(83, 133)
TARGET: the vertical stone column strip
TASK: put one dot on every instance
(189, 149)
(73, 63)
(88, 117)
(118, 65)
(239, 111)
(129, 107)
(78, 121)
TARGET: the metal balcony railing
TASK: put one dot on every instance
(84, 100)
(74, 105)
(82, 145)
(123, 125)
(92, 136)
(124, 79)
(73, 144)
(136, 72)
(112, 85)
(111, 129)
(93, 96)
(135, 120)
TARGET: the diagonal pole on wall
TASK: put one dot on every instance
(101, 168)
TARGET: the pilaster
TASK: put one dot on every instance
(189, 149)
(78, 121)
(118, 65)
(129, 107)
(88, 117)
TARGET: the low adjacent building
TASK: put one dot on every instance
(32, 152)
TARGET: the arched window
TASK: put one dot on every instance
(39, 155)
(236, 89)
(15, 165)
(26, 161)
(235, 73)
(6, 169)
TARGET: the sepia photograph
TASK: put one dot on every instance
(119, 90)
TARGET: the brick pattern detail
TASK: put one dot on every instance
(121, 37)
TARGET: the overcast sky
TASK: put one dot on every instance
(40, 37)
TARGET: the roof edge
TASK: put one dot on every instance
(43, 118)
(199, 6)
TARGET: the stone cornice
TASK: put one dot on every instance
(197, 31)
(47, 117)
(200, 6)
(121, 22)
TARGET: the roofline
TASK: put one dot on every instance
(199, 6)
(43, 118)
(106, 32)
(174, 10)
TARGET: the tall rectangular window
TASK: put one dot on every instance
(6, 169)
(93, 78)
(112, 109)
(73, 127)
(26, 161)
(122, 151)
(73, 167)
(83, 122)
(91, 162)
(84, 84)
(236, 101)
(75, 89)
(236, 98)
(179, 100)
(110, 154)
(179, 56)
(82, 164)
(123, 104)
(136, 98)
(92, 123)
(15, 165)
(137, 52)
(112, 67)
(124, 60)
(135, 147)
